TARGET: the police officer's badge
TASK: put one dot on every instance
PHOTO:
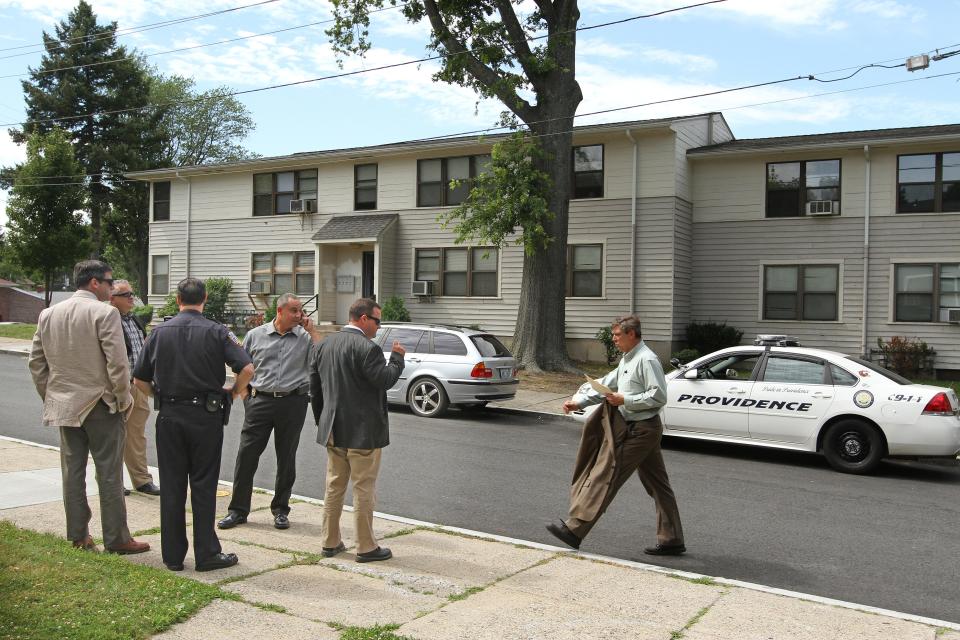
(863, 399)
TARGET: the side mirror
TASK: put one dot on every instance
(690, 374)
(731, 374)
(675, 362)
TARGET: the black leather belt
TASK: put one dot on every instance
(190, 400)
(274, 394)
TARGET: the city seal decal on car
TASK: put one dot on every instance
(863, 399)
(787, 405)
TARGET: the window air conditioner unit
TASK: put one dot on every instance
(823, 208)
(953, 316)
(422, 288)
(303, 206)
(259, 287)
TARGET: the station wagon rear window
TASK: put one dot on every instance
(489, 347)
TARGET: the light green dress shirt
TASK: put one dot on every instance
(639, 377)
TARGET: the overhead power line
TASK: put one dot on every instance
(41, 48)
(460, 134)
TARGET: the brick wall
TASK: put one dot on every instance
(16, 306)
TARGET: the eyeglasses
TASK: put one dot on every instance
(125, 294)
(109, 281)
(377, 320)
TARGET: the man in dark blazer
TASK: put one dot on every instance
(348, 384)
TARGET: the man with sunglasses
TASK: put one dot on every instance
(80, 369)
(348, 387)
(135, 446)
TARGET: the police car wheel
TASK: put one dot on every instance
(853, 446)
(427, 398)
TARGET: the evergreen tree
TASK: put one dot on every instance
(83, 84)
(46, 232)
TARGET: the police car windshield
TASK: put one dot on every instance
(896, 377)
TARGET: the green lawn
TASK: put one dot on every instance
(22, 331)
(50, 590)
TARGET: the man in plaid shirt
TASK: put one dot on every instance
(135, 445)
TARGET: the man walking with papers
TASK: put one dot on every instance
(621, 438)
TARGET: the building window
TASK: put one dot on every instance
(585, 271)
(926, 292)
(928, 183)
(161, 201)
(800, 292)
(272, 192)
(289, 272)
(447, 181)
(588, 171)
(459, 271)
(160, 275)
(365, 187)
(800, 188)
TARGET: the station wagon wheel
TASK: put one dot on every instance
(853, 446)
(427, 398)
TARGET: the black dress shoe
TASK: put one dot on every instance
(149, 488)
(174, 566)
(126, 492)
(666, 550)
(281, 521)
(219, 561)
(380, 553)
(329, 552)
(232, 519)
(559, 531)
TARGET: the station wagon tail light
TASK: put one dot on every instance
(939, 405)
(481, 370)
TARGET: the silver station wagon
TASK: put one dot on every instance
(448, 366)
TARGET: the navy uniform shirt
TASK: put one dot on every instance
(185, 355)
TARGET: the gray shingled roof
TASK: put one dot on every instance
(356, 227)
(827, 139)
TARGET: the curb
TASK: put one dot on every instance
(14, 352)
(752, 586)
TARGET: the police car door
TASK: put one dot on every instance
(712, 402)
(792, 394)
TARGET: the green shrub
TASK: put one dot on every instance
(144, 312)
(707, 337)
(394, 310)
(218, 294)
(271, 311)
(605, 336)
(906, 357)
(169, 307)
(686, 355)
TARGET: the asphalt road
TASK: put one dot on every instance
(776, 518)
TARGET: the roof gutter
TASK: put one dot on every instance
(816, 146)
(633, 227)
(189, 211)
(864, 352)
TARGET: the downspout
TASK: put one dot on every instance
(633, 229)
(864, 352)
(189, 210)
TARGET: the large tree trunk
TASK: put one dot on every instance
(540, 338)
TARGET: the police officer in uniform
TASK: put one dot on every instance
(182, 365)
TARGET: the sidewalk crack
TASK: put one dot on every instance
(681, 632)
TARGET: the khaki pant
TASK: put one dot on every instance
(135, 445)
(360, 466)
(640, 452)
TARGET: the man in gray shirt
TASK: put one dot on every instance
(277, 403)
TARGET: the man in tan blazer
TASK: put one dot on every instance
(79, 365)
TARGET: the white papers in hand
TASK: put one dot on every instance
(599, 388)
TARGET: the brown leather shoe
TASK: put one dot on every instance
(130, 547)
(86, 544)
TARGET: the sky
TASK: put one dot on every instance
(698, 50)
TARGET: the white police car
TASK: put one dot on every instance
(851, 410)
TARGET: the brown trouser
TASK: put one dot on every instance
(640, 452)
(360, 466)
(135, 445)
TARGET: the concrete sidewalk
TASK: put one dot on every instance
(448, 583)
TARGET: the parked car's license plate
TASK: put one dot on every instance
(505, 372)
